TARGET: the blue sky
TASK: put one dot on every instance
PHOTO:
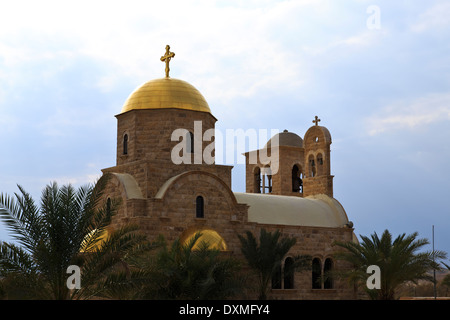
(67, 67)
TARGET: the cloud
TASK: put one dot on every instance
(410, 115)
(246, 46)
(78, 180)
(436, 18)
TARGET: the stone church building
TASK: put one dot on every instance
(177, 200)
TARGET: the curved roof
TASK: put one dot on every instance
(315, 211)
(166, 93)
(169, 182)
(285, 138)
(313, 131)
(130, 185)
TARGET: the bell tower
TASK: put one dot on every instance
(285, 173)
(318, 178)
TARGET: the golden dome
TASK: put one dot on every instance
(166, 93)
(208, 236)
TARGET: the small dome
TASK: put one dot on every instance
(210, 237)
(286, 138)
(166, 93)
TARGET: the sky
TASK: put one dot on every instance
(377, 74)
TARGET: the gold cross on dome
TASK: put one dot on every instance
(316, 121)
(166, 58)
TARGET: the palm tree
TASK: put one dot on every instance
(265, 258)
(64, 230)
(191, 271)
(399, 261)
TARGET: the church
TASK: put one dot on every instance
(292, 194)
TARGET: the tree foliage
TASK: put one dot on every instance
(65, 229)
(400, 260)
(179, 271)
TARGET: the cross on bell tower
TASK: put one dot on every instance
(166, 58)
(316, 120)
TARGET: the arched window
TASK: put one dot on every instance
(327, 269)
(312, 166)
(257, 180)
(190, 142)
(289, 273)
(297, 183)
(266, 180)
(319, 164)
(125, 144)
(276, 278)
(199, 207)
(316, 274)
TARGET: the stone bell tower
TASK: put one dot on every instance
(283, 175)
(317, 176)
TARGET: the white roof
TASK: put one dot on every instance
(316, 211)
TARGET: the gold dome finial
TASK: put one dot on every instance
(166, 58)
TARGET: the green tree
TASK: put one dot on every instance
(265, 258)
(66, 229)
(399, 261)
(181, 272)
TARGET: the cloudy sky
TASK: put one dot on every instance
(376, 72)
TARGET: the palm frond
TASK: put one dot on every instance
(22, 218)
(14, 259)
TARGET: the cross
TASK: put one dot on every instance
(316, 121)
(166, 58)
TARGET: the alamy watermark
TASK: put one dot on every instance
(374, 280)
(228, 147)
(373, 22)
(74, 280)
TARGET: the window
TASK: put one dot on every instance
(327, 269)
(266, 180)
(199, 207)
(322, 278)
(289, 273)
(312, 166)
(190, 142)
(283, 276)
(319, 159)
(297, 183)
(319, 164)
(316, 274)
(125, 144)
(276, 278)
